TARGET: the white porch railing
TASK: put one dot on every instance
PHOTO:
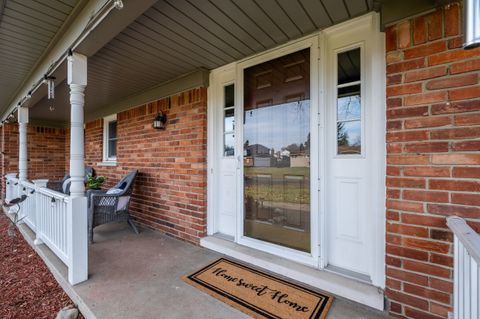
(54, 220)
(466, 269)
(27, 207)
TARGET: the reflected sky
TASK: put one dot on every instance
(278, 126)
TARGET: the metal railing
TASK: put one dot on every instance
(466, 269)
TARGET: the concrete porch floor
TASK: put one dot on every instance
(139, 276)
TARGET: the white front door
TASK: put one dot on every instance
(301, 173)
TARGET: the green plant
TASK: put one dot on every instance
(94, 182)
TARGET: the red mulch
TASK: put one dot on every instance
(27, 288)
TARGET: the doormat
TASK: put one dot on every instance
(258, 294)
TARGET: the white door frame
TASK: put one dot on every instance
(319, 67)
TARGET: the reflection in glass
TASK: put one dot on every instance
(229, 121)
(229, 144)
(277, 152)
(229, 95)
(349, 66)
(349, 137)
(112, 139)
(348, 108)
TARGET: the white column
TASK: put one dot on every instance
(22, 144)
(77, 220)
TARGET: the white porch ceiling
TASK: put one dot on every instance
(27, 28)
(176, 37)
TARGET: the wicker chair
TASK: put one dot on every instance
(112, 205)
(59, 185)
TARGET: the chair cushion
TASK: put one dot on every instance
(66, 186)
(114, 190)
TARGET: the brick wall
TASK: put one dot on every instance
(170, 190)
(46, 157)
(433, 170)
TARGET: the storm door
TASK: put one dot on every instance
(276, 151)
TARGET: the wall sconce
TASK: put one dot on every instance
(160, 121)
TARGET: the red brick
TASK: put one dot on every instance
(394, 79)
(407, 276)
(466, 146)
(427, 147)
(393, 193)
(456, 159)
(419, 30)
(467, 119)
(452, 20)
(426, 293)
(454, 185)
(428, 269)
(404, 89)
(464, 93)
(465, 66)
(426, 171)
(455, 133)
(394, 125)
(404, 36)
(406, 66)
(466, 199)
(425, 50)
(394, 284)
(391, 38)
(434, 25)
(440, 310)
(466, 172)
(426, 245)
(426, 196)
(406, 252)
(425, 98)
(408, 159)
(393, 261)
(452, 56)
(407, 136)
(407, 230)
(394, 102)
(441, 260)
(455, 43)
(428, 122)
(406, 182)
(456, 107)
(394, 56)
(405, 206)
(425, 74)
(439, 234)
(416, 314)
(407, 112)
(394, 148)
(450, 210)
(423, 220)
(452, 81)
(442, 285)
(407, 299)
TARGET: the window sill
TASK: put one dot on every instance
(109, 163)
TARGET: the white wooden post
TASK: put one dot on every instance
(77, 219)
(39, 218)
(22, 145)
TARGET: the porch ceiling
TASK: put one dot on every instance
(175, 37)
(27, 29)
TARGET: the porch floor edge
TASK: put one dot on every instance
(329, 282)
(56, 267)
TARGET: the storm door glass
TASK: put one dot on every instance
(277, 151)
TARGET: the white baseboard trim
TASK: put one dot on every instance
(348, 288)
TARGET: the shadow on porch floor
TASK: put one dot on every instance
(139, 276)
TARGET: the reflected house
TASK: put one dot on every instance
(258, 156)
(300, 160)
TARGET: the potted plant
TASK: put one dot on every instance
(95, 182)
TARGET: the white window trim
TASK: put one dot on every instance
(107, 161)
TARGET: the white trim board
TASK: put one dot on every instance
(331, 283)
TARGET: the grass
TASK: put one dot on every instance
(278, 191)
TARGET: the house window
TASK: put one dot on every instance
(110, 138)
(349, 111)
(229, 121)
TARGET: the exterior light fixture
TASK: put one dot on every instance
(50, 81)
(471, 24)
(160, 121)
